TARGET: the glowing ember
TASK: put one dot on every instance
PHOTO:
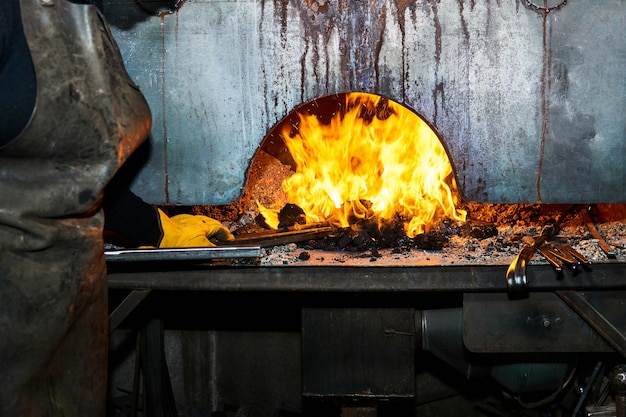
(375, 158)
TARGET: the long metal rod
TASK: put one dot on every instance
(595, 319)
(592, 380)
(126, 307)
(181, 254)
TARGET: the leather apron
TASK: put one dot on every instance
(88, 118)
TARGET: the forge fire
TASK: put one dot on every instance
(374, 159)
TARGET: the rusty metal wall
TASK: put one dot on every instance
(529, 103)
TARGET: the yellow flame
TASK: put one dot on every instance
(269, 215)
(396, 163)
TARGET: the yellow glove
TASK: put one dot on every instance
(187, 230)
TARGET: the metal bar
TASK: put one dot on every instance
(552, 258)
(124, 308)
(136, 375)
(158, 393)
(476, 278)
(181, 254)
(570, 250)
(596, 320)
(592, 380)
(606, 248)
(267, 240)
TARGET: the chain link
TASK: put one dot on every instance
(544, 9)
(159, 7)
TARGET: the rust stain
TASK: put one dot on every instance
(262, 47)
(439, 87)
(154, 8)
(164, 113)
(545, 73)
(379, 45)
(316, 17)
(544, 10)
(463, 22)
(401, 8)
(282, 5)
(438, 32)
(317, 6)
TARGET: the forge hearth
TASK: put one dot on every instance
(493, 233)
(476, 242)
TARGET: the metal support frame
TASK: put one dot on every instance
(142, 279)
(595, 319)
(447, 278)
(125, 307)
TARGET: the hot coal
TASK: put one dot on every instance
(259, 220)
(368, 235)
(474, 229)
(290, 215)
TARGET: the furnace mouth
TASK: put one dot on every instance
(359, 155)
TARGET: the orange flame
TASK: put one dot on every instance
(376, 151)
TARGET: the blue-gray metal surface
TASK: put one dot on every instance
(530, 105)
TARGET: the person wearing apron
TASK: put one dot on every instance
(70, 116)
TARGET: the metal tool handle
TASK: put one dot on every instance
(516, 279)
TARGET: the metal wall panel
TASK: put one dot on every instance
(530, 105)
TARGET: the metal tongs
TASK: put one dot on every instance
(516, 279)
(556, 253)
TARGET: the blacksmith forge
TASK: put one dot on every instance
(528, 99)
